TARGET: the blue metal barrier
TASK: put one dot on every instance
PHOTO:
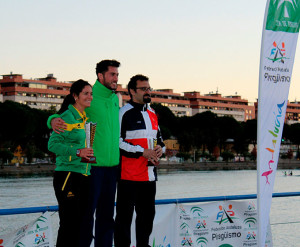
(28, 210)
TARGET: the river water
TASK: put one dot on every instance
(284, 217)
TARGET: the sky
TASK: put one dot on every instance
(185, 45)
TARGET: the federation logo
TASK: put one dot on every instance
(39, 238)
(187, 242)
(251, 206)
(201, 225)
(251, 236)
(225, 216)
(277, 53)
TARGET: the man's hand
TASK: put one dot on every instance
(58, 125)
(158, 151)
(151, 155)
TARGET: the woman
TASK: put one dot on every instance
(71, 177)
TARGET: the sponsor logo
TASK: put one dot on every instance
(202, 242)
(182, 210)
(70, 194)
(277, 53)
(185, 226)
(225, 216)
(1, 242)
(226, 245)
(278, 116)
(197, 211)
(250, 222)
(183, 214)
(283, 16)
(20, 244)
(164, 244)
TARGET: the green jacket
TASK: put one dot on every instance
(104, 111)
(65, 144)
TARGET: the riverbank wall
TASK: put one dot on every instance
(165, 166)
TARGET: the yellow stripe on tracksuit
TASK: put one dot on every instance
(62, 189)
(70, 127)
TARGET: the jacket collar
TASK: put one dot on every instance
(77, 114)
(100, 90)
(141, 107)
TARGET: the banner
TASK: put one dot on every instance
(217, 224)
(38, 233)
(279, 39)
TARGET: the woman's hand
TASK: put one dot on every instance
(85, 153)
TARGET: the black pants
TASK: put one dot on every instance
(141, 197)
(71, 190)
(101, 201)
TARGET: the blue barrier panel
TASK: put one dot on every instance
(11, 211)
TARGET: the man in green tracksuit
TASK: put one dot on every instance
(104, 111)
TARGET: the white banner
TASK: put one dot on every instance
(221, 224)
(279, 39)
(38, 233)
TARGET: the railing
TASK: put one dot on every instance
(29, 210)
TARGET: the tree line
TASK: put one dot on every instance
(201, 133)
(23, 126)
(205, 133)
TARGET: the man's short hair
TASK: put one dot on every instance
(133, 81)
(102, 66)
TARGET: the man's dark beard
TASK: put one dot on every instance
(147, 100)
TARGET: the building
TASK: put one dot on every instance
(177, 103)
(41, 93)
(44, 93)
(233, 106)
(172, 147)
(292, 114)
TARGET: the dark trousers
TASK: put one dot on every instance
(102, 200)
(141, 197)
(71, 190)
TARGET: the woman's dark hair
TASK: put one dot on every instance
(76, 89)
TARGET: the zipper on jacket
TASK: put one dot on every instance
(86, 169)
(70, 158)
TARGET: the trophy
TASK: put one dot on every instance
(152, 144)
(90, 130)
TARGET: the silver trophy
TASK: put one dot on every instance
(90, 130)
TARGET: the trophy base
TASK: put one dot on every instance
(91, 160)
(151, 164)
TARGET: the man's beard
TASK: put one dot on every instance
(148, 99)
